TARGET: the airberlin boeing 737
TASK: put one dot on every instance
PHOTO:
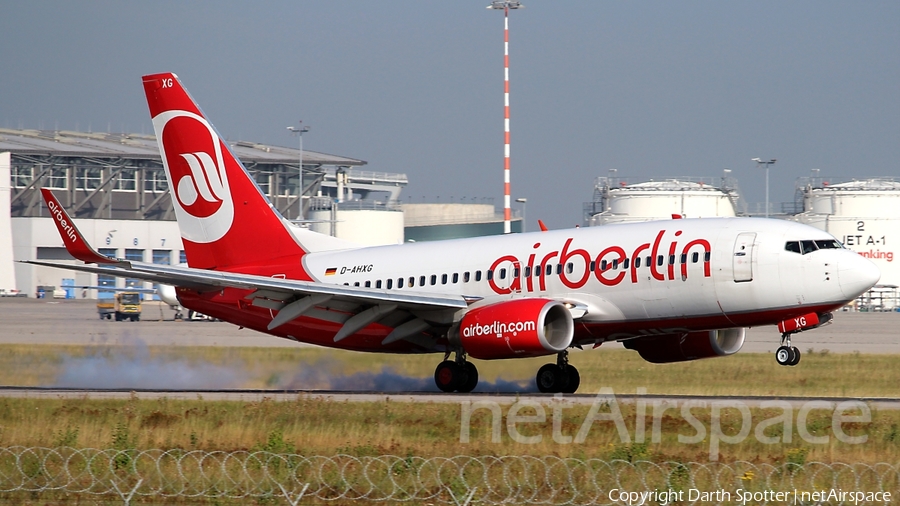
(671, 290)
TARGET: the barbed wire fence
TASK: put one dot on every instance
(289, 479)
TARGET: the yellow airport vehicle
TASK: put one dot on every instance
(124, 306)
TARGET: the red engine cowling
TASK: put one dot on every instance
(516, 328)
(688, 346)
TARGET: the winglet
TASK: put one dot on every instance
(543, 227)
(72, 238)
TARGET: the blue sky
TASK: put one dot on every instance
(652, 89)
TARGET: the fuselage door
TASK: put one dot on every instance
(743, 257)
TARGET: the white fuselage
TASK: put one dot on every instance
(750, 277)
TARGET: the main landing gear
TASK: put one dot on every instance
(460, 375)
(787, 354)
(457, 375)
(559, 377)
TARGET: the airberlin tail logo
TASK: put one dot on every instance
(192, 155)
(204, 181)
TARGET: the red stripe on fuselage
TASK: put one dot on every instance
(229, 305)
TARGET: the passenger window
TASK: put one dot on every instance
(637, 262)
(649, 262)
(593, 264)
(625, 263)
(570, 267)
(443, 279)
(346, 284)
(390, 284)
(706, 257)
(660, 259)
(527, 271)
(356, 284)
(549, 269)
(603, 265)
(455, 278)
(792, 246)
(615, 263)
(412, 281)
(503, 273)
(558, 269)
(489, 274)
(477, 276)
(808, 246)
(399, 282)
(368, 284)
(434, 279)
(516, 272)
(421, 280)
(684, 258)
(465, 277)
(537, 271)
(695, 257)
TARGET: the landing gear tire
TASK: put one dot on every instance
(550, 379)
(796, 356)
(448, 376)
(574, 380)
(553, 378)
(784, 355)
(471, 381)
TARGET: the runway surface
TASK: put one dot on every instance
(34, 321)
(431, 397)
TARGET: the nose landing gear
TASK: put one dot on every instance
(558, 377)
(457, 375)
(787, 354)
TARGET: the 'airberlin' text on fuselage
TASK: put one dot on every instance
(602, 265)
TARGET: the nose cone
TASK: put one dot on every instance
(856, 275)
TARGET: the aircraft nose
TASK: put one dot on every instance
(856, 275)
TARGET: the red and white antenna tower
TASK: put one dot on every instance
(505, 6)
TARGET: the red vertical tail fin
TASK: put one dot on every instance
(225, 220)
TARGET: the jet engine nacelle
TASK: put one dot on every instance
(167, 294)
(516, 328)
(688, 346)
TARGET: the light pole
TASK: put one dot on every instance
(299, 131)
(761, 163)
(505, 6)
(523, 201)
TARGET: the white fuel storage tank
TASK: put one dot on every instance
(616, 201)
(864, 214)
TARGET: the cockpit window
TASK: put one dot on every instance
(828, 244)
(793, 246)
(808, 246)
(804, 247)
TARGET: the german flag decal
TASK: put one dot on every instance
(331, 271)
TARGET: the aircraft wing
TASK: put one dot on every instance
(203, 280)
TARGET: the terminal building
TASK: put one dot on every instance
(115, 186)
